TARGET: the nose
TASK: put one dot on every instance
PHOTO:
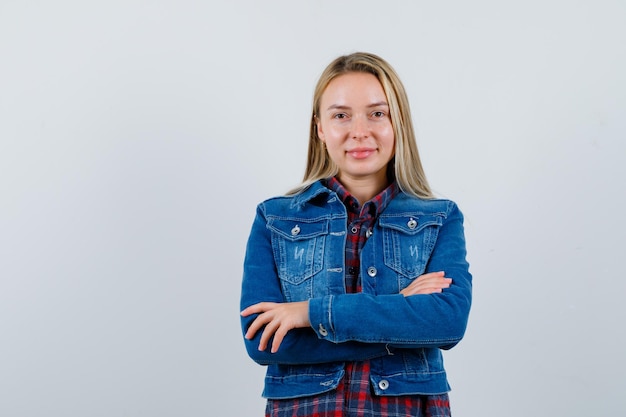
(360, 127)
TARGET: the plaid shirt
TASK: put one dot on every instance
(353, 396)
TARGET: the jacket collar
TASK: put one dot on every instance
(314, 191)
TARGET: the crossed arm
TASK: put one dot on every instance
(275, 320)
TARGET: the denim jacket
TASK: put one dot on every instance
(295, 252)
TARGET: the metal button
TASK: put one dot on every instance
(323, 330)
(383, 384)
(369, 232)
(354, 229)
(295, 231)
(412, 223)
(371, 271)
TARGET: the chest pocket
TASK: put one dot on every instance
(298, 248)
(408, 242)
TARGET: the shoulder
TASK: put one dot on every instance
(407, 204)
(411, 214)
(314, 195)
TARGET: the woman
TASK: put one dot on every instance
(354, 282)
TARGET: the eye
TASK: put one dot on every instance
(378, 114)
(340, 116)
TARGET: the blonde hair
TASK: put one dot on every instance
(406, 165)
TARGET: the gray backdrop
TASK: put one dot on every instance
(136, 138)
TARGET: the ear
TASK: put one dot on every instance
(320, 131)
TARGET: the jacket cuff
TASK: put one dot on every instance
(320, 317)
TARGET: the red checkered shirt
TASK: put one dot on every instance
(353, 396)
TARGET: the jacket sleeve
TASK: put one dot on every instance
(434, 320)
(300, 346)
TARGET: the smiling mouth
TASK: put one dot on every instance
(361, 153)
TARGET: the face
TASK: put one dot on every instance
(355, 125)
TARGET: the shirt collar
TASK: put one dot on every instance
(373, 207)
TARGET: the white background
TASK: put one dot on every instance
(136, 138)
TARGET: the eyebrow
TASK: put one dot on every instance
(343, 107)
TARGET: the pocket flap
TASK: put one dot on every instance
(298, 229)
(410, 224)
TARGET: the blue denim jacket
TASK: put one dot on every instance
(296, 252)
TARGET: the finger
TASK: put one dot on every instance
(249, 310)
(428, 277)
(257, 308)
(436, 282)
(278, 339)
(432, 287)
(427, 286)
(435, 285)
(431, 275)
(267, 334)
(256, 325)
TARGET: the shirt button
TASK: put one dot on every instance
(371, 271)
(295, 231)
(369, 232)
(412, 223)
(323, 330)
(354, 229)
(383, 384)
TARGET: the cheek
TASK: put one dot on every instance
(328, 131)
(389, 136)
(331, 134)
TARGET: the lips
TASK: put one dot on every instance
(361, 153)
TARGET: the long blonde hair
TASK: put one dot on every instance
(406, 165)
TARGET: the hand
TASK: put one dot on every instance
(278, 319)
(433, 282)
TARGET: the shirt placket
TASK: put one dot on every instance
(359, 229)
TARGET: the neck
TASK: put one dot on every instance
(363, 189)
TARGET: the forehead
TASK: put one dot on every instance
(355, 87)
